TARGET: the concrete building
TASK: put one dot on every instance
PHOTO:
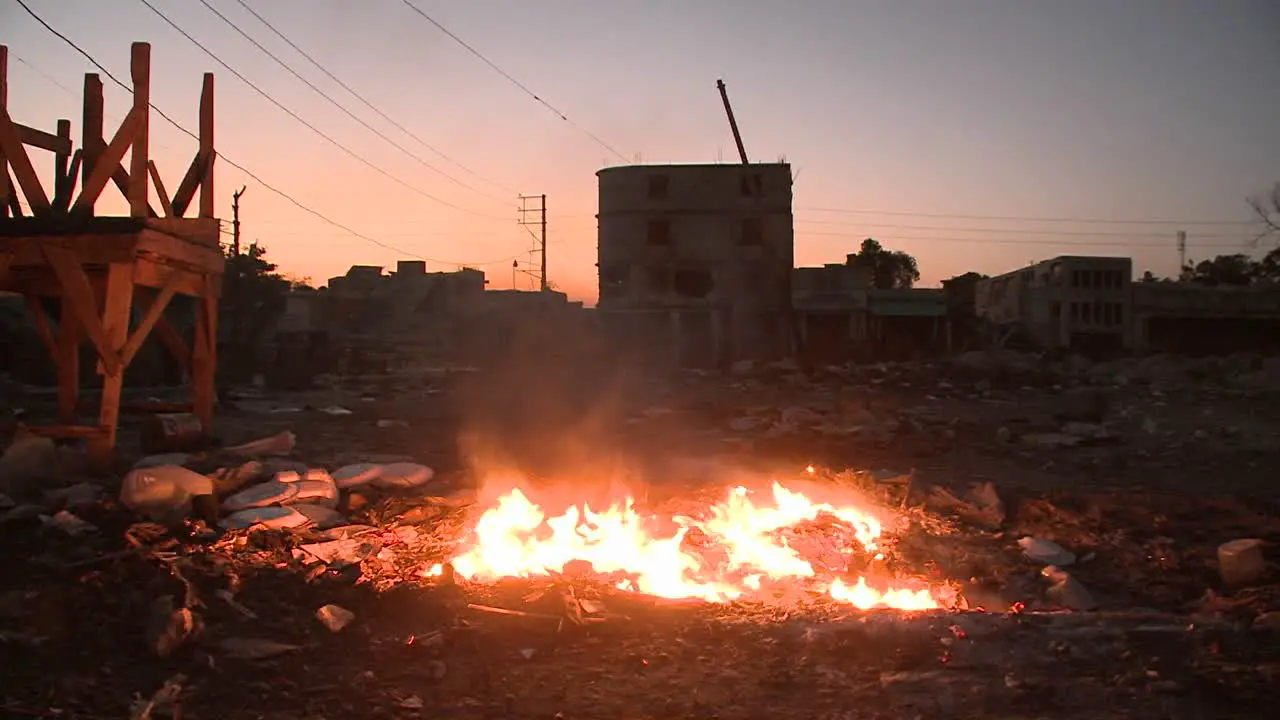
(1192, 319)
(695, 261)
(842, 317)
(1082, 303)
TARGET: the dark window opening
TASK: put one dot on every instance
(752, 185)
(659, 232)
(1075, 312)
(613, 281)
(658, 280)
(752, 232)
(658, 187)
(693, 283)
(1119, 314)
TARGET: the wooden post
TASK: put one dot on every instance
(204, 353)
(116, 310)
(68, 362)
(5, 189)
(206, 146)
(61, 161)
(139, 182)
(91, 144)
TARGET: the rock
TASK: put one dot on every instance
(1068, 592)
(1051, 441)
(76, 497)
(169, 627)
(230, 479)
(747, 424)
(742, 368)
(1240, 562)
(1046, 552)
(68, 523)
(800, 416)
(245, 648)
(151, 461)
(28, 464)
(335, 617)
(1269, 621)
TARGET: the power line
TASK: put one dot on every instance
(1006, 231)
(514, 81)
(302, 120)
(367, 103)
(1026, 218)
(1001, 241)
(339, 105)
(268, 186)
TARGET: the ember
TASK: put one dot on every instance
(741, 553)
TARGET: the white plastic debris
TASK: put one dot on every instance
(1067, 591)
(279, 444)
(403, 475)
(320, 516)
(355, 475)
(316, 488)
(334, 617)
(275, 516)
(159, 492)
(271, 492)
(1046, 552)
(1240, 562)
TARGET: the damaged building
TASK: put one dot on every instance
(1091, 305)
(695, 261)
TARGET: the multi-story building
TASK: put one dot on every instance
(695, 260)
(1083, 303)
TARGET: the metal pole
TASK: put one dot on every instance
(544, 242)
(235, 220)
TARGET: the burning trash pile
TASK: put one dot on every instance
(773, 545)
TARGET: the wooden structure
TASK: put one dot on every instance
(101, 268)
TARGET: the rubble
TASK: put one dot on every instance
(334, 618)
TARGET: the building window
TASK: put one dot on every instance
(752, 232)
(658, 187)
(693, 283)
(1119, 314)
(1075, 312)
(659, 232)
(658, 280)
(613, 281)
(752, 185)
(1086, 313)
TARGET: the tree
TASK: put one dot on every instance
(1267, 208)
(888, 269)
(1238, 269)
(253, 299)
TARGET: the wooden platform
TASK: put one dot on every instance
(110, 278)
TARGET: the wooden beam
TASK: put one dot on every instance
(116, 311)
(41, 319)
(204, 357)
(43, 140)
(78, 293)
(68, 361)
(16, 154)
(192, 180)
(148, 321)
(206, 147)
(61, 161)
(6, 189)
(106, 163)
(120, 177)
(139, 187)
(160, 191)
(69, 190)
(168, 336)
(91, 131)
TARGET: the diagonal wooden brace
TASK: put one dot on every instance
(79, 293)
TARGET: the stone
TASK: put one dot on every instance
(1240, 562)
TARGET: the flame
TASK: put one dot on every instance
(515, 538)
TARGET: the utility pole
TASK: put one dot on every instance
(235, 220)
(1182, 251)
(539, 218)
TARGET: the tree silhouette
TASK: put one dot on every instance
(888, 269)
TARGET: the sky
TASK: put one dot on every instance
(974, 134)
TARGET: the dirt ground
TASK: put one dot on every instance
(1141, 479)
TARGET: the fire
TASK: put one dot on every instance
(732, 552)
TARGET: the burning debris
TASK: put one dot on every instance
(741, 548)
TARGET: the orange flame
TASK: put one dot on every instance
(515, 538)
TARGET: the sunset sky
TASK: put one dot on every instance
(966, 132)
